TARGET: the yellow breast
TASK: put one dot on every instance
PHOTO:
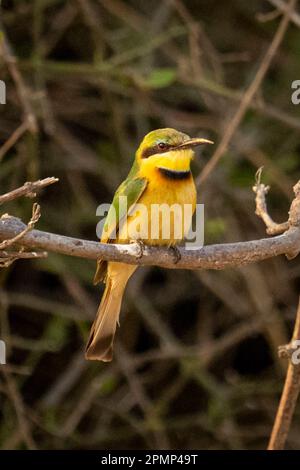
(165, 210)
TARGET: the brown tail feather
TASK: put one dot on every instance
(101, 270)
(100, 343)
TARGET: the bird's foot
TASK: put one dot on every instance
(141, 246)
(176, 253)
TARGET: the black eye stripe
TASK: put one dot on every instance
(155, 149)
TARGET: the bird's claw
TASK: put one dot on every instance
(176, 253)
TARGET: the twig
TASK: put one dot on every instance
(29, 189)
(24, 96)
(18, 404)
(261, 207)
(36, 214)
(249, 94)
(23, 255)
(9, 257)
(294, 212)
(270, 16)
(15, 136)
(283, 7)
(288, 399)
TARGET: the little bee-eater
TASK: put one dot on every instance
(160, 175)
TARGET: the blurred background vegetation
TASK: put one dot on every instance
(196, 361)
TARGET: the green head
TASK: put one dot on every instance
(163, 141)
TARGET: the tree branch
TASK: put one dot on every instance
(28, 189)
(261, 207)
(36, 214)
(283, 7)
(289, 395)
(208, 257)
(261, 210)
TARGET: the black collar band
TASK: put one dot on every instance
(175, 174)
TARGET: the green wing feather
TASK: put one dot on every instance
(132, 188)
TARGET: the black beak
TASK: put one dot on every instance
(194, 143)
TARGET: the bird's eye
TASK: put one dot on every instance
(162, 146)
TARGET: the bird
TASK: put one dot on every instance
(160, 174)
